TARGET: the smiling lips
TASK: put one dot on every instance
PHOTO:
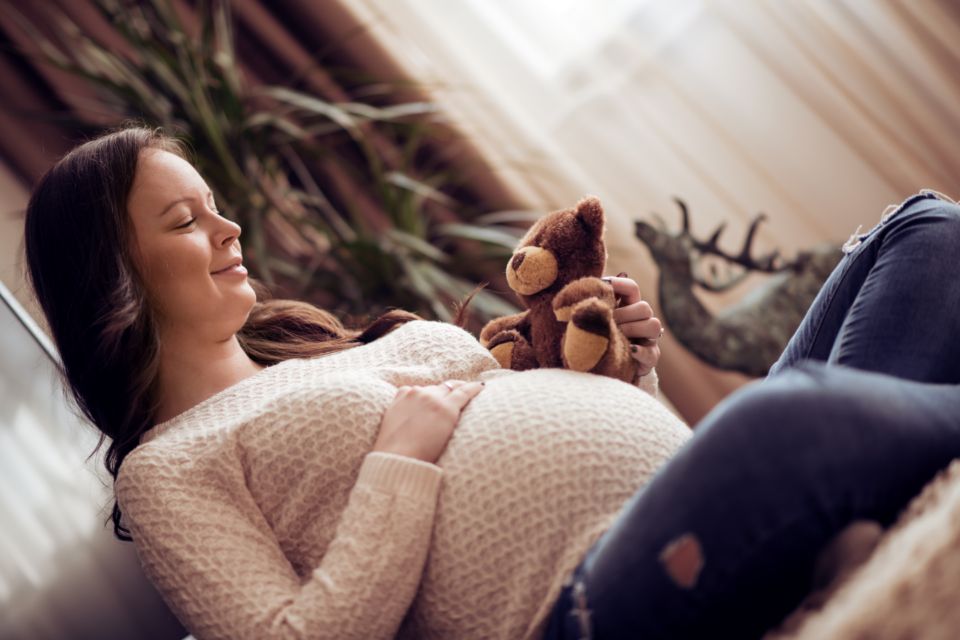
(234, 268)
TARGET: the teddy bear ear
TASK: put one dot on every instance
(591, 212)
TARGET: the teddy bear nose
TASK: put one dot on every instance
(517, 261)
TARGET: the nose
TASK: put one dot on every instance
(227, 232)
(517, 261)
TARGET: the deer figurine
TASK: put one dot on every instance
(750, 335)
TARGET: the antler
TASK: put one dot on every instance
(769, 263)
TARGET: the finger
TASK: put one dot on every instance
(432, 394)
(625, 288)
(465, 393)
(633, 312)
(451, 385)
(649, 329)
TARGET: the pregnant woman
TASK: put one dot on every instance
(285, 477)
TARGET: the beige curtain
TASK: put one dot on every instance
(817, 112)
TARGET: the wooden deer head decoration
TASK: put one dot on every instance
(749, 336)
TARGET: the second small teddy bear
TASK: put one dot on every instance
(569, 321)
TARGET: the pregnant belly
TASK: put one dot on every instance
(538, 466)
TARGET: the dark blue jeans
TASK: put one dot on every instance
(860, 412)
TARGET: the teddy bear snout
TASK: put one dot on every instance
(532, 269)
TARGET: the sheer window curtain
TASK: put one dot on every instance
(818, 113)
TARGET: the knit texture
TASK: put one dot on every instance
(261, 512)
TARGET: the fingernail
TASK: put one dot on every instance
(622, 274)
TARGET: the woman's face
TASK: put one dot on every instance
(188, 255)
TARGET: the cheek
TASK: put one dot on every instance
(177, 275)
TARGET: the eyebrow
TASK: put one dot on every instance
(176, 202)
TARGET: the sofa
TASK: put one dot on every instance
(898, 584)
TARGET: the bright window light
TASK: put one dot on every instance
(549, 35)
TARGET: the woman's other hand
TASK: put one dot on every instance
(420, 420)
(635, 318)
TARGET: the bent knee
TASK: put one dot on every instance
(937, 214)
(789, 412)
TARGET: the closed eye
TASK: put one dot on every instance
(186, 224)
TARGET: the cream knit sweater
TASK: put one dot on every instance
(261, 513)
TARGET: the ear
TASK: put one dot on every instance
(590, 211)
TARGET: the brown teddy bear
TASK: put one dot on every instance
(569, 322)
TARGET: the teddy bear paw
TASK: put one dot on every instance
(588, 334)
(579, 290)
(512, 351)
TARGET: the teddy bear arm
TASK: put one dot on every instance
(513, 351)
(578, 291)
(593, 342)
(500, 325)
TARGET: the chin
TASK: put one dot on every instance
(247, 301)
(247, 290)
(237, 307)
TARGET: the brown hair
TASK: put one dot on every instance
(77, 238)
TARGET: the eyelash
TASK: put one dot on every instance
(192, 220)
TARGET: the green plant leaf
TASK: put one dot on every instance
(416, 273)
(416, 245)
(280, 154)
(312, 105)
(501, 237)
(418, 187)
(506, 217)
(394, 112)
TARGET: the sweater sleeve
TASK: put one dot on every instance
(220, 569)
(650, 383)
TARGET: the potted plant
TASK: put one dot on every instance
(277, 159)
